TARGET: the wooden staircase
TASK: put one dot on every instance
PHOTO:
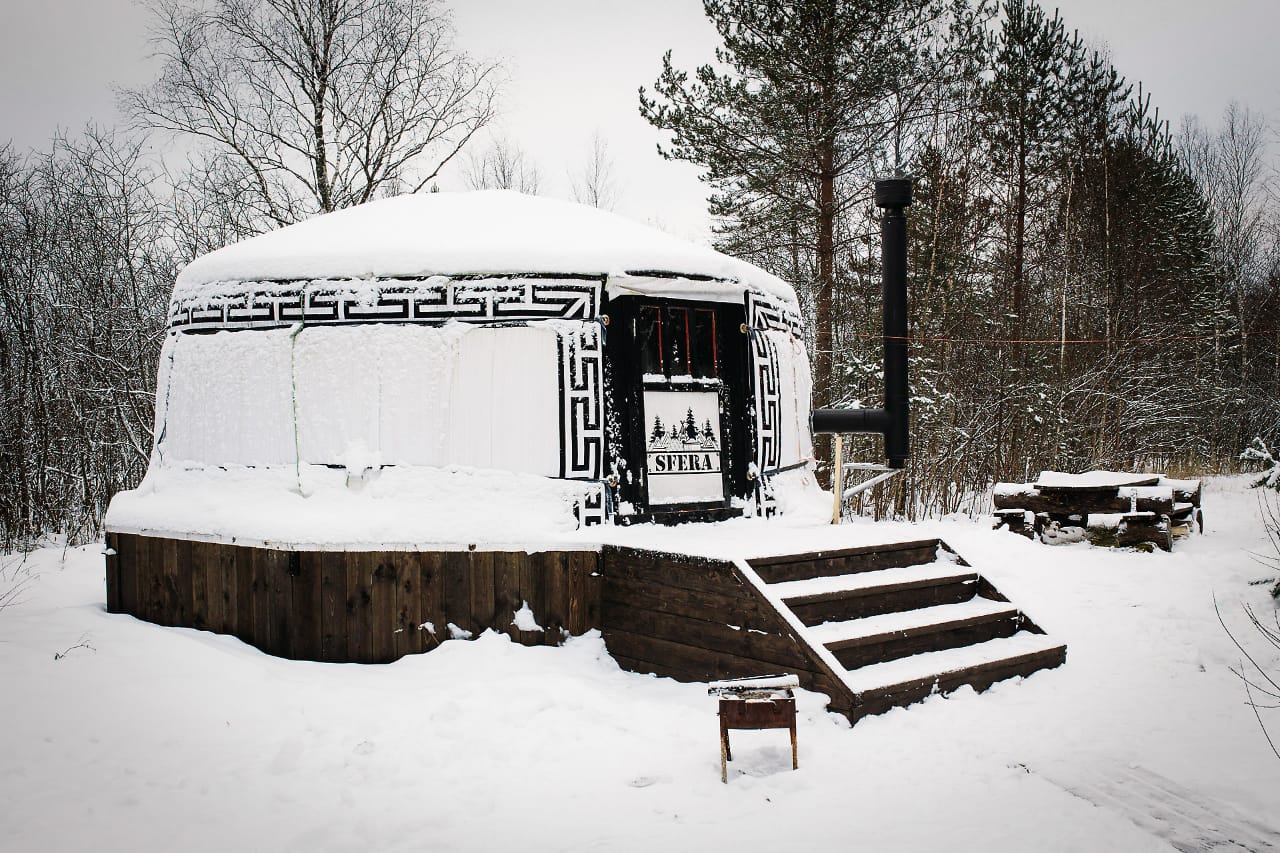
(903, 621)
(875, 627)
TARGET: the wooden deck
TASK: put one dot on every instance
(872, 628)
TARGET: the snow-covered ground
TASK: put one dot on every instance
(120, 735)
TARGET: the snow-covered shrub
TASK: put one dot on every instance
(1257, 453)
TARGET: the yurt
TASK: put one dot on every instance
(419, 419)
(465, 371)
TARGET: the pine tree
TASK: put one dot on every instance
(1025, 102)
(813, 88)
(690, 426)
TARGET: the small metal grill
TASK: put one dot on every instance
(755, 703)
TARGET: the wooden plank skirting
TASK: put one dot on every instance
(697, 619)
(685, 617)
(349, 606)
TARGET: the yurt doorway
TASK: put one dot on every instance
(680, 389)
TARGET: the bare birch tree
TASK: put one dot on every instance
(595, 184)
(315, 105)
(502, 166)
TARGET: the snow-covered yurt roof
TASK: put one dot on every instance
(492, 232)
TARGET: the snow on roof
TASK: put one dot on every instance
(468, 233)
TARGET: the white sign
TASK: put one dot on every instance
(682, 446)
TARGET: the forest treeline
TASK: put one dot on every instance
(1089, 285)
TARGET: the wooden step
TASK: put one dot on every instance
(876, 639)
(902, 682)
(794, 567)
(836, 599)
(980, 678)
(870, 638)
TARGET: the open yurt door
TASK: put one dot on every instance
(679, 390)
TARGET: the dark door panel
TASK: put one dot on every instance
(679, 389)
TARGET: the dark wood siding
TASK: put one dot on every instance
(358, 607)
(695, 619)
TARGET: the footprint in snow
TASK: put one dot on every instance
(364, 747)
(286, 760)
(645, 781)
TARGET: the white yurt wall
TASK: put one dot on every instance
(228, 399)
(795, 388)
(414, 395)
(505, 401)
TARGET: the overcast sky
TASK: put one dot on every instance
(575, 65)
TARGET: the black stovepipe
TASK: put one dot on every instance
(893, 196)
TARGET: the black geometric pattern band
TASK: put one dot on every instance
(254, 305)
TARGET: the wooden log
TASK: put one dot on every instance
(554, 614)
(244, 600)
(411, 637)
(980, 677)
(455, 567)
(176, 588)
(866, 651)
(259, 633)
(783, 652)
(359, 606)
(306, 618)
(739, 610)
(212, 553)
(279, 571)
(112, 567)
(382, 608)
(506, 591)
(684, 661)
(581, 566)
(334, 618)
(431, 588)
(222, 585)
(202, 561)
(595, 598)
(481, 590)
(667, 570)
(844, 561)
(533, 594)
(910, 595)
(152, 565)
(127, 561)
(1082, 502)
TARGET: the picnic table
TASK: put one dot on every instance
(1105, 507)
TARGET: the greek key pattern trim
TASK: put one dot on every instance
(766, 314)
(591, 508)
(582, 455)
(254, 305)
(767, 409)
